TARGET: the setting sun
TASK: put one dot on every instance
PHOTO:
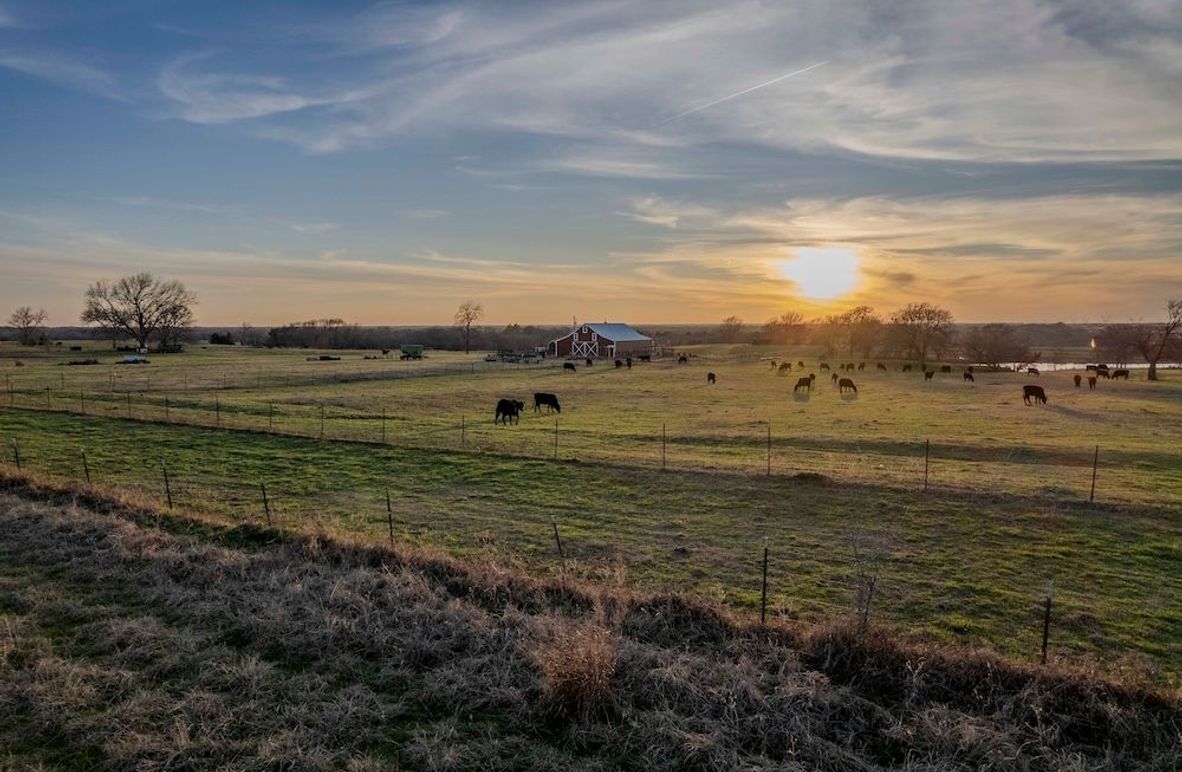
(822, 273)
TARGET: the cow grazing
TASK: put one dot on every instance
(710, 378)
(550, 401)
(645, 357)
(846, 383)
(509, 411)
(812, 377)
(800, 365)
(1035, 392)
(628, 362)
(1103, 374)
(927, 374)
(784, 368)
(945, 368)
(861, 366)
(385, 352)
(773, 364)
(803, 383)
(835, 379)
(1078, 380)
(1032, 371)
(682, 359)
(619, 363)
(568, 366)
(882, 367)
(1120, 374)
(1091, 383)
(824, 367)
(969, 377)
(906, 368)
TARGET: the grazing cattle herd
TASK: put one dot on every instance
(508, 411)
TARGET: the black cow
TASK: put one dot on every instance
(509, 411)
(882, 367)
(1120, 374)
(846, 383)
(590, 361)
(784, 368)
(906, 368)
(835, 379)
(800, 365)
(824, 367)
(803, 383)
(1032, 371)
(682, 359)
(1091, 383)
(927, 374)
(1077, 380)
(549, 400)
(969, 376)
(568, 366)
(861, 366)
(619, 363)
(1103, 374)
(645, 357)
(1035, 392)
(812, 377)
(710, 378)
(628, 362)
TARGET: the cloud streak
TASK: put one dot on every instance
(738, 94)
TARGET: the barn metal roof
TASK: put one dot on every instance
(616, 331)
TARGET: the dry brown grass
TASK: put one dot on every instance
(132, 640)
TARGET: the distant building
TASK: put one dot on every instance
(597, 341)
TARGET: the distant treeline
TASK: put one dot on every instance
(336, 333)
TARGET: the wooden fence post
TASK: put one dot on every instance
(558, 544)
(167, 417)
(555, 439)
(663, 447)
(270, 416)
(463, 432)
(82, 399)
(1046, 619)
(769, 448)
(48, 404)
(129, 404)
(1095, 464)
(266, 502)
(321, 420)
(389, 515)
(927, 454)
(16, 453)
(85, 467)
(217, 410)
(763, 594)
(167, 485)
(383, 426)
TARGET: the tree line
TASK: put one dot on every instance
(151, 310)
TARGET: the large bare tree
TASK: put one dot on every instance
(467, 316)
(922, 327)
(1157, 341)
(28, 324)
(788, 327)
(996, 344)
(141, 306)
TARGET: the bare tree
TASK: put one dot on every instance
(863, 329)
(468, 314)
(788, 327)
(870, 555)
(29, 324)
(1155, 341)
(731, 329)
(994, 344)
(141, 306)
(922, 327)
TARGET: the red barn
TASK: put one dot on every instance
(601, 341)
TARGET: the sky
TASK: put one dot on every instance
(1014, 160)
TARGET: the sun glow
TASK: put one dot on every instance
(822, 273)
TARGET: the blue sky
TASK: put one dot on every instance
(383, 162)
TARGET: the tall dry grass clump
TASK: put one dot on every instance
(578, 663)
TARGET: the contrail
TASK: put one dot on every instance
(744, 91)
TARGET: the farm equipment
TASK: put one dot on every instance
(411, 351)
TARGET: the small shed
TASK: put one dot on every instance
(596, 341)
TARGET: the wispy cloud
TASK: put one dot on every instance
(426, 214)
(63, 69)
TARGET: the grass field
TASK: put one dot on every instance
(967, 561)
(134, 639)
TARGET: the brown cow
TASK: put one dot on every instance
(1032, 371)
(1035, 392)
(1077, 380)
(785, 367)
(1091, 383)
(846, 383)
(803, 383)
(1116, 374)
(969, 377)
(568, 366)
(835, 379)
(710, 378)
(927, 374)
